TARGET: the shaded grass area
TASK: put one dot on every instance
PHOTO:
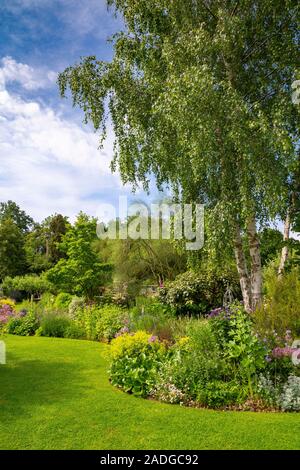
(55, 394)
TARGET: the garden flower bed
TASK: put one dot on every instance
(221, 363)
(221, 360)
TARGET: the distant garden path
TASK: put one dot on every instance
(54, 394)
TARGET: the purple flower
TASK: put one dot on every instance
(268, 358)
(287, 351)
(6, 311)
(215, 312)
(152, 339)
(22, 313)
(122, 331)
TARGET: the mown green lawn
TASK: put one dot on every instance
(54, 394)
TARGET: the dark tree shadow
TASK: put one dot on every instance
(31, 383)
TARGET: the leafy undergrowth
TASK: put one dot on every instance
(55, 394)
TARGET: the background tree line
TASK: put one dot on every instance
(72, 259)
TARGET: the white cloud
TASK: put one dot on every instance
(49, 163)
(28, 77)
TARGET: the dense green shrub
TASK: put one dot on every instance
(87, 318)
(155, 318)
(55, 326)
(200, 361)
(197, 293)
(22, 325)
(34, 308)
(281, 308)
(234, 329)
(101, 322)
(218, 394)
(39, 308)
(63, 300)
(24, 286)
(135, 360)
(46, 301)
(74, 331)
(111, 320)
(216, 365)
(192, 364)
(220, 324)
(76, 304)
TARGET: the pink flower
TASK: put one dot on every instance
(152, 339)
(287, 351)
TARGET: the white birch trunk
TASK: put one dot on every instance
(285, 249)
(256, 270)
(242, 269)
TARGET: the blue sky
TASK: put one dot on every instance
(50, 162)
(49, 159)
